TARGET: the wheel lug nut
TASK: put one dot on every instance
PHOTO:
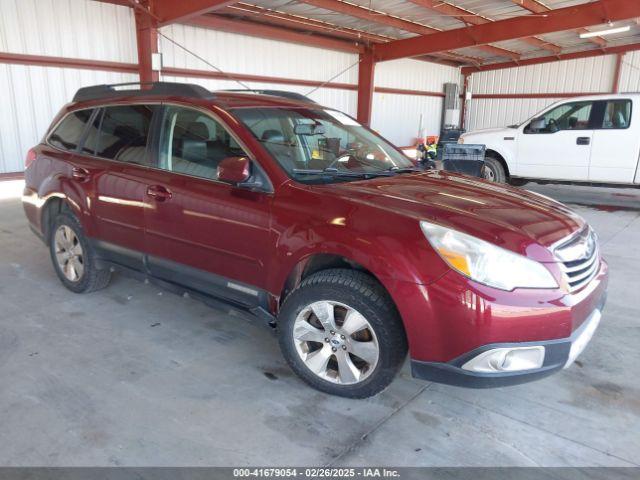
(344, 347)
(342, 337)
(332, 332)
(334, 349)
(326, 339)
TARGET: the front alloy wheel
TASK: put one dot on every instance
(341, 333)
(336, 342)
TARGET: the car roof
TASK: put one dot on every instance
(604, 96)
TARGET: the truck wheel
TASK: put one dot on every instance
(73, 258)
(493, 170)
(341, 333)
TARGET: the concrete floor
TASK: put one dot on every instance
(132, 375)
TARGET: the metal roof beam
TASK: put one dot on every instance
(288, 20)
(172, 11)
(471, 18)
(569, 18)
(548, 59)
(536, 7)
(275, 33)
(385, 19)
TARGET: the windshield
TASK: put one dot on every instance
(322, 145)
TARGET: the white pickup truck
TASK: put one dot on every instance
(594, 139)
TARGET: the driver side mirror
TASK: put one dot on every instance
(234, 170)
(538, 124)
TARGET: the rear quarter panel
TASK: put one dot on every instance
(49, 177)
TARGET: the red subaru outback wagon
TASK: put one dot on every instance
(305, 218)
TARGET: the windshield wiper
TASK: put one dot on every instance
(341, 173)
(395, 169)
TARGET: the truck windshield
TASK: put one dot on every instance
(321, 145)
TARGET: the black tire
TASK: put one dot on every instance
(92, 277)
(494, 170)
(364, 294)
(518, 182)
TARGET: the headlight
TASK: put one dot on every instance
(460, 140)
(486, 263)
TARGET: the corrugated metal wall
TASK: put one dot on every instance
(31, 95)
(630, 73)
(68, 28)
(585, 75)
(396, 116)
(257, 56)
(594, 74)
(399, 117)
(86, 29)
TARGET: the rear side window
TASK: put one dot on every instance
(617, 114)
(69, 131)
(123, 133)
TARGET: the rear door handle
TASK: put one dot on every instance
(80, 173)
(159, 193)
(583, 141)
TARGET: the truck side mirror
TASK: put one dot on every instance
(538, 124)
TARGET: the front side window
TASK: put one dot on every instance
(193, 143)
(123, 133)
(310, 144)
(617, 114)
(568, 116)
(69, 131)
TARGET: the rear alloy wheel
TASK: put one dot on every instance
(73, 257)
(341, 333)
(69, 254)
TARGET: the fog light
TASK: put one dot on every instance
(512, 359)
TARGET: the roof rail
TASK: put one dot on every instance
(152, 88)
(275, 93)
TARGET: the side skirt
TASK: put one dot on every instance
(214, 290)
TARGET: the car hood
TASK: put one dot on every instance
(488, 131)
(518, 220)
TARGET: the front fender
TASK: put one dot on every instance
(386, 257)
(508, 153)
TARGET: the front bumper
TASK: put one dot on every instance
(558, 354)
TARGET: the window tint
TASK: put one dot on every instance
(194, 144)
(68, 133)
(568, 116)
(617, 114)
(123, 133)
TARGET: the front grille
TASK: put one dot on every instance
(580, 259)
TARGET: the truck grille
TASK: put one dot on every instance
(580, 259)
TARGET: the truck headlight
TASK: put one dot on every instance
(460, 140)
(486, 263)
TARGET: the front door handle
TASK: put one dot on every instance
(159, 193)
(583, 141)
(79, 173)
